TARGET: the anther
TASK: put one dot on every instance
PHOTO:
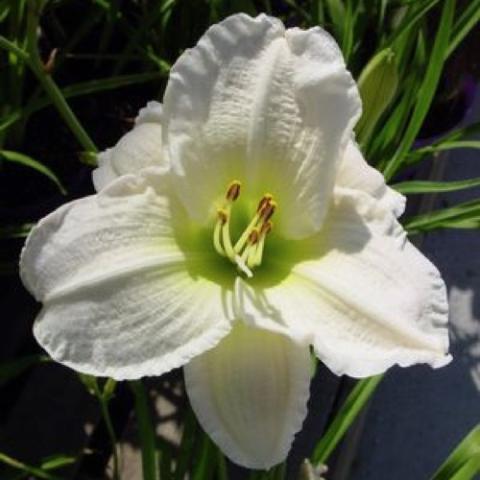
(266, 199)
(268, 210)
(222, 216)
(266, 228)
(233, 191)
(253, 237)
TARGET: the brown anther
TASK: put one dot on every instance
(253, 237)
(222, 216)
(266, 199)
(266, 228)
(268, 210)
(233, 191)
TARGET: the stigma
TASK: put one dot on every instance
(247, 252)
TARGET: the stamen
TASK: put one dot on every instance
(248, 250)
(221, 220)
(246, 256)
(267, 198)
(227, 242)
(257, 257)
(268, 210)
(253, 237)
(244, 237)
(233, 191)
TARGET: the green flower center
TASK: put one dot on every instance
(247, 252)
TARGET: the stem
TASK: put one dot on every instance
(111, 432)
(222, 472)
(280, 472)
(51, 88)
(146, 432)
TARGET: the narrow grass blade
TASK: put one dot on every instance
(417, 13)
(353, 405)
(146, 432)
(57, 461)
(462, 27)
(419, 186)
(377, 85)
(469, 470)
(456, 139)
(51, 88)
(86, 88)
(222, 472)
(205, 462)
(166, 458)
(15, 231)
(427, 88)
(348, 31)
(464, 462)
(336, 10)
(11, 47)
(103, 396)
(10, 119)
(36, 472)
(11, 369)
(27, 161)
(419, 154)
(445, 218)
(186, 445)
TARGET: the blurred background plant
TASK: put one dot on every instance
(73, 74)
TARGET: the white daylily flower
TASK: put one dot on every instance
(180, 264)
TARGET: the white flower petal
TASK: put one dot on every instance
(139, 148)
(271, 108)
(355, 173)
(152, 112)
(250, 394)
(363, 295)
(118, 298)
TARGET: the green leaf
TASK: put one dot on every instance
(35, 471)
(146, 431)
(469, 469)
(464, 462)
(377, 84)
(165, 450)
(27, 161)
(453, 145)
(354, 404)
(456, 139)
(15, 231)
(12, 48)
(57, 461)
(10, 119)
(348, 31)
(222, 472)
(205, 462)
(86, 88)
(427, 88)
(336, 10)
(109, 389)
(90, 383)
(13, 368)
(460, 214)
(417, 13)
(420, 186)
(186, 445)
(468, 20)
